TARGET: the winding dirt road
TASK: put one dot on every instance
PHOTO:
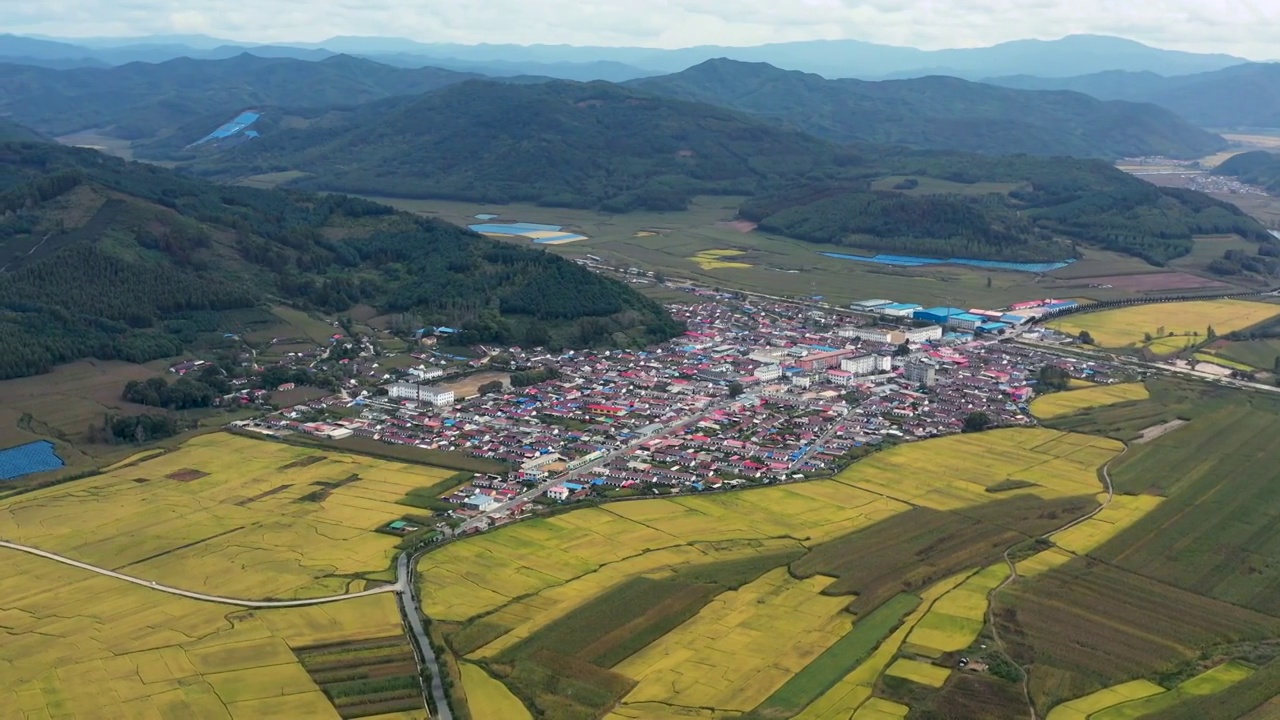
(195, 595)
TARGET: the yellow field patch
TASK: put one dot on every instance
(911, 473)
(137, 652)
(954, 621)
(713, 259)
(1126, 327)
(741, 646)
(851, 693)
(489, 698)
(1082, 708)
(916, 671)
(1124, 511)
(1065, 403)
(880, 709)
(193, 519)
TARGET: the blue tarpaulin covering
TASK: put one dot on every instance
(912, 261)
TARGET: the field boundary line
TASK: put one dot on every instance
(396, 588)
(1104, 474)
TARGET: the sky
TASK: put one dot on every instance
(1237, 27)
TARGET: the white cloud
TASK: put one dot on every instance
(1240, 27)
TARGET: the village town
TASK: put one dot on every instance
(756, 391)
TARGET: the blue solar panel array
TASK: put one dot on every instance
(911, 261)
(242, 121)
(28, 459)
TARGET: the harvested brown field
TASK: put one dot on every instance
(186, 475)
(1155, 282)
(1088, 625)
(304, 462)
(742, 226)
(470, 385)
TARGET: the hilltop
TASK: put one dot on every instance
(141, 100)
(1259, 168)
(616, 149)
(561, 144)
(1246, 95)
(114, 260)
(11, 131)
(940, 112)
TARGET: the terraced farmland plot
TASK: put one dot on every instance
(1064, 403)
(1127, 326)
(228, 516)
(136, 652)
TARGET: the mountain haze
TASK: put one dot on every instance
(940, 112)
(1245, 96)
(140, 100)
(1068, 56)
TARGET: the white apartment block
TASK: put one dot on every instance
(769, 372)
(421, 393)
(881, 335)
(867, 364)
(931, 332)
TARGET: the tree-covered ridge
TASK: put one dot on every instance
(614, 149)
(1259, 168)
(940, 112)
(114, 260)
(142, 100)
(11, 131)
(1055, 204)
(559, 144)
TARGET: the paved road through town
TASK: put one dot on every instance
(195, 595)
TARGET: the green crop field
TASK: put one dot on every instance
(672, 242)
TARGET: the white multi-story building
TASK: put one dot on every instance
(769, 372)
(867, 364)
(426, 373)
(842, 378)
(874, 334)
(924, 334)
(422, 393)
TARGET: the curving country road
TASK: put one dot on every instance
(195, 595)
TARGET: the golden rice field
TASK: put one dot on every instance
(954, 621)
(919, 672)
(741, 647)
(1082, 708)
(489, 698)
(1126, 327)
(714, 259)
(1072, 401)
(852, 693)
(225, 515)
(78, 644)
(1081, 539)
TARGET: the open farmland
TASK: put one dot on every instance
(1129, 327)
(648, 605)
(1064, 403)
(84, 645)
(277, 522)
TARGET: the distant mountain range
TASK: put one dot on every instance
(1239, 96)
(1069, 56)
(940, 112)
(142, 100)
(166, 106)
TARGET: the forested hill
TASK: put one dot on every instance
(114, 260)
(940, 112)
(560, 144)
(1259, 168)
(143, 100)
(999, 208)
(11, 131)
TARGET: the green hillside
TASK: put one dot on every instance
(1259, 168)
(940, 112)
(559, 144)
(143, 100)
(614, 149)
(11, 131)
(107, 259)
